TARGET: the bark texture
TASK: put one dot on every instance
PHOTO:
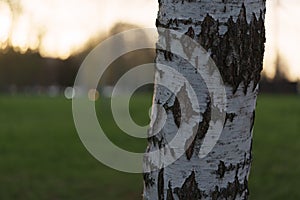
(232, 31)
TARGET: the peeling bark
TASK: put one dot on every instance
(201, 131)
(230, 117)
(170, 192)
(160, 185)
(233, 32)
(221, 169)
(232, 190)
(252, 120)
(148, 180)
(189, 190)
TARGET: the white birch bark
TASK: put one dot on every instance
(232, 31)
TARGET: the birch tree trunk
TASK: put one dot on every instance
(233, 33)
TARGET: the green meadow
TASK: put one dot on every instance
(42, 157)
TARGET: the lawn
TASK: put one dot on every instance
(42, 157)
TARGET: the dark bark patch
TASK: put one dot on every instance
(199, 133)
(148, 180)
(209, 35)
(181, 103)
(204, 125)
(239, 52)
(185, 104)
(160, 185)
(182, 1)
(215, 194)
(190, 32)
(189, 149)
(171, 24)
(251, 147)
(170, 192)
(156, 142)
(252, 121)
(221, 169)
(235, 188)
(168, 55)
(230, 117)
(185, 21)
(232, 190)
(247, 161)
(189, 189)
(174, 23)
(176, 112)
(175, 109)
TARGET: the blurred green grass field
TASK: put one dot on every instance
(42, 157)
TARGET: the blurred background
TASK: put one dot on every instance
(42, 45)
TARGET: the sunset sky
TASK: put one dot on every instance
(60, 28)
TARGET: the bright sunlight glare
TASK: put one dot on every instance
(282, 30)
(60, 28)
(6, 22)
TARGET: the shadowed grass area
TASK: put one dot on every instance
(42, 157)
(276, 165)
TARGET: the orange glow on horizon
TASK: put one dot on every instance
(59, 29)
